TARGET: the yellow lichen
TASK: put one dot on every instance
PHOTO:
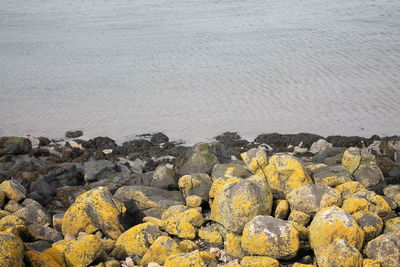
(211, 236)
(11, 250)
(187, 246)
(282, 209)
(162, 248)
(84, 251)
(259, 261)
(193, 201)
(192, 259)
(233, 245)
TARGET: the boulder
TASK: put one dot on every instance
(211, 235)
(237, 203)
(147, 201)
(362, 165)
(370, 223)
(183, 224)
(334, 223)
(332, 176)
(385, 249)
(268, 236)
(392, 225)
(33, 212)
(285, 173)
(233, 245)
(13, 190)
(204, 157)
(73, 134)
(187, 246)
(93, 169)
(393, 191)
(15, 145)
(136, 241)
(319, 146)
(84, 252)
(233, 169)
(194, 258)
(164, 178)
(43, 232)
(198, 184)
(258, 261)
(312, 198)
(256, 160)
(339, 253)
(11, 250)
(160, 250)
(346, 190)
(159, 138)
(329, 155)
(94, 210)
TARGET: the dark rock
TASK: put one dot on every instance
(327, 153)
(38, 246)
(15, 145)
(140, 179)
(350, 141)
(164, 178)
(73, 134)
(33, 212)
(385, 249)
(276, 140)
(46, 233)
(44, 141)
(68, 194)
(159, 138)
(93, 169)
(100, 143)
(233, 143)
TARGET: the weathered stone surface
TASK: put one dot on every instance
(332, 176)
(366, 200)
(198, 184)
(204, 157)
(319, 146)
(299, 217)
(136, 240)
(164, 178)
(259, 261)
(160, 250)
(385, 249)
(193, 201)
(392, 225)
(233, 169)
(334, 223)
(211, 235)
(94, 168)
(285, 173)
(33, 212)
(15, 145)
(233, 245)
(12, 206)
(311, 198)
(94, 210)
(370, 223)
(268, 236)
(84, 251)
(339, 253)
(281, 209)
(147, 200)
(13, 190)
(183, 224)
(393, 191)
(237, 203)
(194, 258)
(11, 250)
(362, 165)
(187, 246)
(346, 190)
(256, 160)
(41, 232)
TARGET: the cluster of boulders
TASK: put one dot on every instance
(281, 200)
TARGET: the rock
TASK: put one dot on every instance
(164, 178)
(93, 169)
(183, 224)
(312, 198)
(65, 174)
(100, 143)
(370, 223)
(389, 168)
(367, 201)
(73, 134)
(198, 184)
(349, 141)
(346, 190)
(238, 202)
(233, 245)
(284, 140)
(256, 160)
(299, 217)
(233, 142)
(332, 176)
(202, 160)
(334, 223)
(13, 190)
(160, 250)
(319, 146)
(328, 154)
(211, 235)
(12, 223)
(46, 233)
(234, 168)
(12, 206)
(258, 261)
(136, 241)
(268, 236)
(393, 191)
(193, 201)
(186, 259)
(362, 165)
(339, 253)
(11, 250)
(57, 221)
(33, 212)
(92, 211)
(282, 209)
(159, 138)
(39, 246)
(187, 246)
(48, 258)
(2, 199)
(147, 200)
(15, 145)
(392, 225)
(284, 173)
(84, 252)
(385, 249)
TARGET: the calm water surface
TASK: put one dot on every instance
(193, 69)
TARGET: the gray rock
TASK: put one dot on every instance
(219, 170)
(328, 153)
(33, 212)
(164, 178)
(94, 168)
(319, 146)
(73, 134)
(385, 249)
(15, 145)
(197, 184)
(12, 206)
(332, 176)
(46, 233)
(38, 246)
(13, 190)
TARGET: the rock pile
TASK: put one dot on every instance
(277, 201)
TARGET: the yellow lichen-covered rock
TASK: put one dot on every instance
(56, 255)
(37, 259)
(385, 249)
(193, 201)
(192, 259)
(346, 190)
(156, 221)
(11, 250)
(237, 203)
(281, 209)
(339, 253)
(207, 256)
(370, 223)
(13, 190)
(362, 165)
(285, 173)
(136, 240)
(334, 223)
(236, 168)
(162, 248)
(392, 225)
(371, 263)
(183, 224)
(256, 160)
(311, 198)
(299, 217)
(268, 236)
(62, 245)
(173, 210)
(366, 200)
(94, 210)
(210, 235)
(112, 263)
(12, 222)
(233, 245)
(84, 251)
(187, 246)
(332, 176)
(259, 261)
(393, 191)
(297, 264)
(219, 184)
(198, 184)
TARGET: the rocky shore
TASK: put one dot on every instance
(280, 200)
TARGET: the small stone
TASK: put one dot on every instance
(164, 178)
(319, 146)
(211, 236)
(13, 190)
(187, 246)
(57, 221)
(282, 209)
(193, 201)
(12, 206)
(299, 217)
(73, 134)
